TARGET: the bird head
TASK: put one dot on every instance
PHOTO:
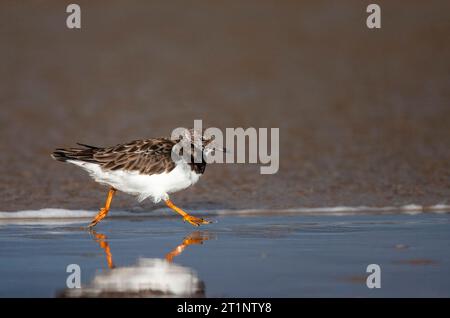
(199, 140)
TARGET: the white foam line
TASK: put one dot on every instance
(54, 216)
(346, 210)
(54, 213)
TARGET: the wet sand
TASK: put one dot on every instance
(364, 115)
(252, 256)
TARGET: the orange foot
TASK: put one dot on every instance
(195, 221)
(197, 238)
(100, 216)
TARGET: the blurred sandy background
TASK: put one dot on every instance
(364, 115)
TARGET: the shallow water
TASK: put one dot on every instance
(240, 256)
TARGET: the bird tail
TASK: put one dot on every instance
(80, 154)
(59, 155)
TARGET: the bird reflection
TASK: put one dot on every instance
(150, 277)
(101, 239)
(194, 238)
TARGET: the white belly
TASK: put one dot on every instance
(156, 186)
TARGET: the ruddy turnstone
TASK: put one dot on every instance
(144, 168)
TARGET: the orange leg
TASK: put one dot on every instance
(191, 239)
(103, 211)
(186, 217)
(101, 240)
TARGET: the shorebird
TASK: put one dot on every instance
(144, 168)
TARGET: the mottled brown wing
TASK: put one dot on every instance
(149, 156)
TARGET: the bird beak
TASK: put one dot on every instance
(217, 147)
(225, 150)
